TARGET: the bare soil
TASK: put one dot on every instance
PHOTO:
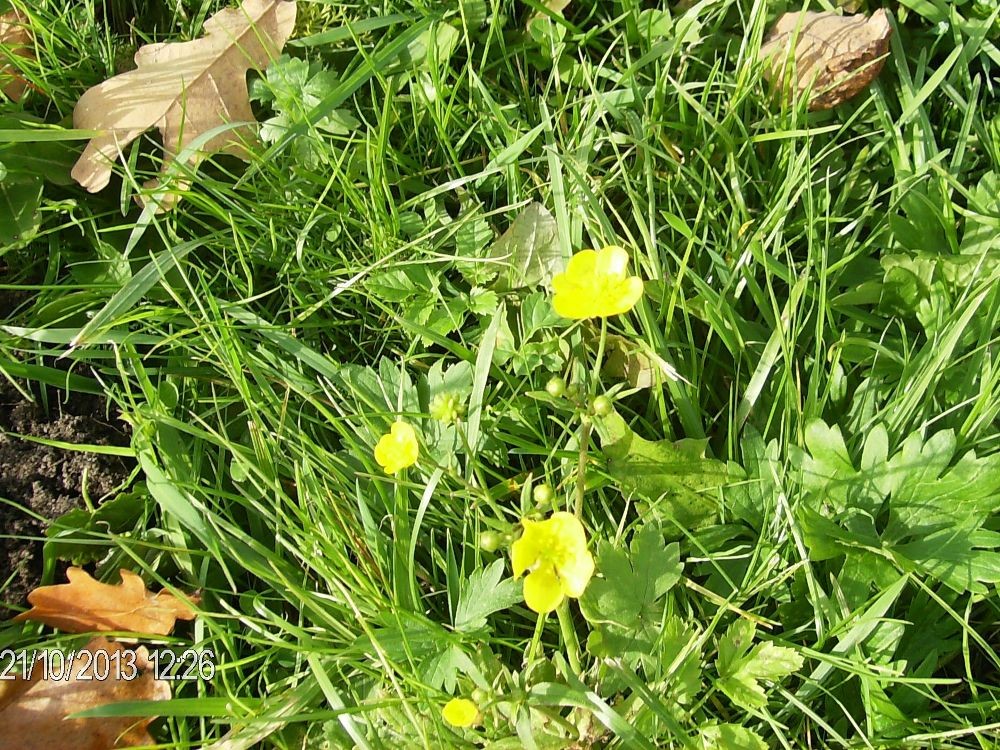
(39, 483)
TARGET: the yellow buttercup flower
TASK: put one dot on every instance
(460, 712)
(398, 448)
(555, 552)
(596, 284)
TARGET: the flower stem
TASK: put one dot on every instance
(581, 465)
(570, 640)
(600, 357)
(586, 425)
(536, 639)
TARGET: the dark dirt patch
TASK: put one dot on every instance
(47, 481)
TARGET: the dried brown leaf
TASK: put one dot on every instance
(556, 6)
(635, 363)
(835, 57)
(33, 712)
(15, 37)
(185, 89)
(84, 604)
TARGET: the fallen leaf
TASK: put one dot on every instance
(835, 56)
(541, 27)
(556, 6)
(529, 250)
(15, 36)
(84, 604)
(33, 712)
(635, 363)
(185, 89)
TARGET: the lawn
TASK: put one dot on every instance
(437, 476)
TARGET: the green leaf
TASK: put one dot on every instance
(20, 198)
(740, 670)
(653, 23)
(435, 44)
(441, 670)
(927, 494)
(82, 536)
(750, 501)
(529, 249)
(827, 469)
(981, 228)
(401, 283)
(960, 559)
(472, 235)
(482, 302)
(457, 379)
(728, 737)
(673, 475)
(632, 584)
(483, 594)
(294, 88)
(48, 160)
(935, 508)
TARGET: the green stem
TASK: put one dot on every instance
(536, 639)
(600, 357)
(586, 425)
(581, 464)
(570, 641)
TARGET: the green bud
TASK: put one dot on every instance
(542, 494)
(601, 406)
(556, 387)
(447, 408)
(489, 541)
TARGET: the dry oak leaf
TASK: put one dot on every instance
(835, 56)
(185, 89)
(33, 711)
(84, 604)
(15, 38)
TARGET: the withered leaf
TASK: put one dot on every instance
(15, 38)
(85, 604)
(185, 89)
(635, 363)
(556, 6)
(33, 712)
(835, 57)
(529, 249)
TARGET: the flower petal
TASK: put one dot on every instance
(575, 573)
(526, 551)
(568, 530)
(612, 261)
(576, 303)
(582, 265)
(625, 296)
(596, 284)
(384, 455)
(397, 449)
(460, 712)
(542, 590)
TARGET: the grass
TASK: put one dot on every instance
(823, 284)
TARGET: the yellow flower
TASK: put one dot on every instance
(555, 551)
(460, 712)
(596, 284)
(397, 449)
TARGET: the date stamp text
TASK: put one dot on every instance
(54, 665)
